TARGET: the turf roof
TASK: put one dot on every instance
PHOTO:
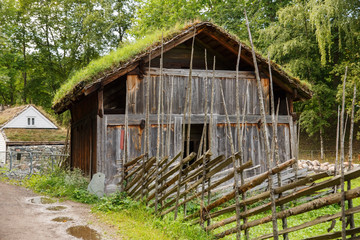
(131, 51)
(35, 135)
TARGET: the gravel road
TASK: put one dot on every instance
(23, 216)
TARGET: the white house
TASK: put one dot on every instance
(28, 125)
(29, 117)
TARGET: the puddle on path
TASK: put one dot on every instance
(62, 219)
(43, 200)
(56, 208)
(83, 232)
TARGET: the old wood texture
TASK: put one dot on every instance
(342, 139)
(315, 204)
(318, 220)
(350, 202)
(243, 188)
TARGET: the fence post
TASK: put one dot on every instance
(31, 161)
(52, 162)
(10, 153)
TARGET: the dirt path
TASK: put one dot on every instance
(24, 217)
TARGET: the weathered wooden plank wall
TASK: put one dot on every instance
(227, 79)
(253, 143)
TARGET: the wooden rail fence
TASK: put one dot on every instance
(140, 181)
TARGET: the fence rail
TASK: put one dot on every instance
(180, 182)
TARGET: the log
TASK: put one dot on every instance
(264, 195)
(290, 197)
(333, 235)
(316, 221)
(138, 176)
(132, 162)
(169, 192)
(306, 207)
(172, 171)
(226, 178)
(247, 186)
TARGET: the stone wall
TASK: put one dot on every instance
(55, 149)
(23, 160)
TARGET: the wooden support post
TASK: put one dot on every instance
(189, 107)
(235, 166)
(342, 134)
(350, 202)
(337, 144)
(211, 128)
(147, 128)
(205, 159)
(159, 126)
(126, 123)
(265, 132)
(275, 144)
(241, 129)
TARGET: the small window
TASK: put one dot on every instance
(30, 121)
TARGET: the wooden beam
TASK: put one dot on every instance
(202, 73)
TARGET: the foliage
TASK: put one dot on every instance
(61, 183)
(42, 42)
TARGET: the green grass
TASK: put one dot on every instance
(319, 229)
(136, 221)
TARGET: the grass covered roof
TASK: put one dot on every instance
(130, 52)
(35, 135)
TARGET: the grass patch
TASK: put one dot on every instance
(35, 135)
(136, 221)
(64, 184)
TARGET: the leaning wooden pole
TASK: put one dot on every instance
(183, 139)
(275, 144)
(159, 126)
(205, 159)
(147, 128)
(235, 166)
(211, 125)
(265, 132)
(350, 202)
(337, 143)
(342, 133)
(189, 108)
(240, 129)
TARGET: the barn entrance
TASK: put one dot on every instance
(196, 132)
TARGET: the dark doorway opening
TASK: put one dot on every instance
(196, 132)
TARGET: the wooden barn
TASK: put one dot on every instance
(109, 109)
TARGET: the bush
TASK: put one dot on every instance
(61, 183)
